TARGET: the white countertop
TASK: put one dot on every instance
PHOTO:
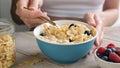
(27, 45)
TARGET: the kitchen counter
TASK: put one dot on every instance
(26, 46)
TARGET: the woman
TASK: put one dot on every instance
(98, 13)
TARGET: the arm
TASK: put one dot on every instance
(108, 16)
(100, 19)
(110, 12)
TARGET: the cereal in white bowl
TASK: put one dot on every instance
(66, 33)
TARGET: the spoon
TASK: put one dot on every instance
(45, 19)
(49, 21)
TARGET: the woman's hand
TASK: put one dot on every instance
(107, 17)
(29, 11)
(94, 20)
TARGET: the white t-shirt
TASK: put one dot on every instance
(71, 8)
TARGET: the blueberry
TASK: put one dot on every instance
(109, 60)
(100, 55)
(43, 34)
(113, 49)
(70, 40)
(104, 58)
(108, 51)
(87, 32)
(72, 25)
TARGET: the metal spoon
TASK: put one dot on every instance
(45, 19)
(49, 21)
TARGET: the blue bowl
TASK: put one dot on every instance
(64, 53)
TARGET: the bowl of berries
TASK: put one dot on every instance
(108, 57)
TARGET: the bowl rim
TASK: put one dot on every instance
(67, 44)
(103, 61)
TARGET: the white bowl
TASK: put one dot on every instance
(105, 64)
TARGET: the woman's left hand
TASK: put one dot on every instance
(95, 20)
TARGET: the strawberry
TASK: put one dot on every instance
(114, 57)
(111, 45)
(118, 52)
(101, 50)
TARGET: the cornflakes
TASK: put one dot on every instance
(67, 33)
(7, 54)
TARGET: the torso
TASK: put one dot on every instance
(71, 8)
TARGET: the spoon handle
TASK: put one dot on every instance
(45, 19)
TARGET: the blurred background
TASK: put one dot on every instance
(7, 8)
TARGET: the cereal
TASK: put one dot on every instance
(34, 54)
(67, 33)
(7, 54)
(31, 62)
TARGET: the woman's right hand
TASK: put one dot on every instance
(29, 11)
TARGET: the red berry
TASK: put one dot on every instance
(101, 50)
(111, 45)
(114, 57)
(118, 52)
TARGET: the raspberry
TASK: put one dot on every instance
(111, 45)
(114, 57)
(118, 52)
(101, 50)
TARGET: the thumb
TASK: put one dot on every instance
(34, 4)
(45, 14)
(40, 13)
(89, 18)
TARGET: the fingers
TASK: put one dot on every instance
(95, 20)
(26, 13)
(29, 17)
(89, 18)
(98, 40)
(100, 30)
(22, 3)
(35, 4)
(31, 14)
(22, 9)
(32, 22)
(45, 15)
(92, 50)
(98, 20)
